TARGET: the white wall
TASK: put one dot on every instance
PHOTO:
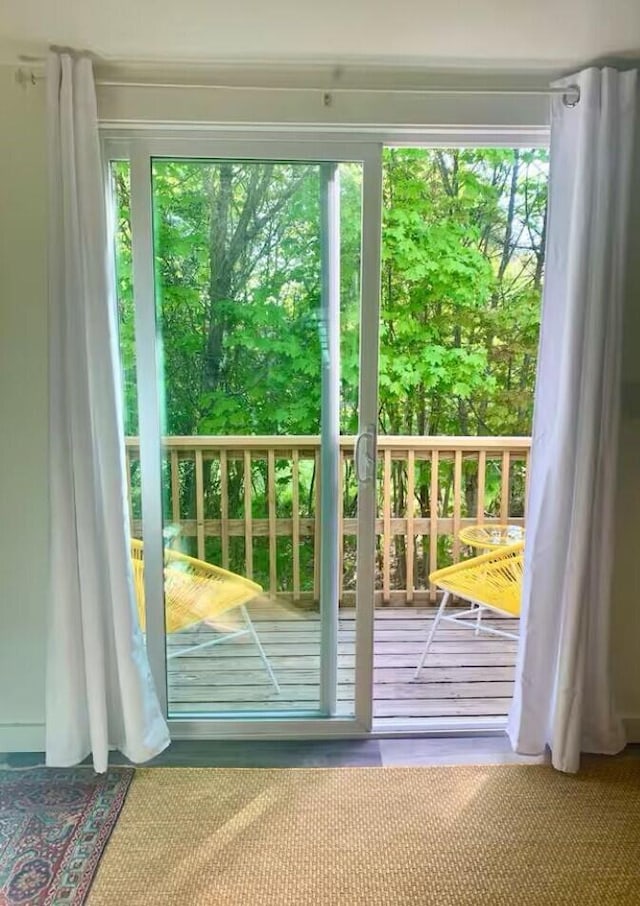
(23, 419)
(626, 625)
(23, 414)
(431, 32)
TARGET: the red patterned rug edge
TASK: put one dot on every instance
(91, 868)
(100, 799)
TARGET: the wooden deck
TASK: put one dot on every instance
(465, 676)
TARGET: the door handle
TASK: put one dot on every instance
(363, 454)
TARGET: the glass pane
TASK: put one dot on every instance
(462, 270)
(238, 259)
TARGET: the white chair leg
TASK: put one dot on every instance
(265, 659)
(441, 610)
(478, 620)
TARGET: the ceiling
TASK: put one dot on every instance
(536, 34)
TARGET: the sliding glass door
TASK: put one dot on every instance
(248, 278)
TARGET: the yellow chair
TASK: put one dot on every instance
(198, 592)
(492, 581)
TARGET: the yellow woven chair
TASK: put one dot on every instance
(198, 592)
(492, 581)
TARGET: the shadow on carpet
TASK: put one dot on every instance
(54, 826)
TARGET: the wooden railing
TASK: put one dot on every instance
(251, 505)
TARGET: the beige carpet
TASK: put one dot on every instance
(394, 836)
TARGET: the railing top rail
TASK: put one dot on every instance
(446, 442)
(311, 442)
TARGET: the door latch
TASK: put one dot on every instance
(364, 454)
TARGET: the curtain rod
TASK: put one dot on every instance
(570, 93)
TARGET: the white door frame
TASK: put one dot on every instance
(140, 148)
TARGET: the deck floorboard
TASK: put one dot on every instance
(465, 675)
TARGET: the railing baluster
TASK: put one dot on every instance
(433, 514)
(482, 477)
(341, 464)
(457, 503)
(199, 506)
(527, 469)
(295, 521)
(386, 527)
(248, 515)
(271, 501)
(504, 489)
(224, 508)
(175, 488)
(129, 494)
(316, 531)
(409, 544)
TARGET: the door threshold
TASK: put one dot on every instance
(346, 729)
(385, 728)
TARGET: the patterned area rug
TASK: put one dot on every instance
(54, 825)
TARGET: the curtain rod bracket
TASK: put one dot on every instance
(25, 77)
(571, 98)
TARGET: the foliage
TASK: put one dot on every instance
(462, 269)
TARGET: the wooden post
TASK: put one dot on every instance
(411, 490)
(457, 502)
(295, 521)
(341, 466)
(504, 490)
(271, 502)
(129, 494)
(248, 515)
(433, 514)
(386, 527)
(224, 508)
(175, 488)
(199, 506)
(482, 477)
(316, 531)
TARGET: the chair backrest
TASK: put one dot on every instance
(194, 590)
(493, 579)
(137, 560)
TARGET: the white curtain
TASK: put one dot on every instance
(100, 693)
(563, 696)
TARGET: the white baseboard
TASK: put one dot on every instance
(632, 727)
(22, 737)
